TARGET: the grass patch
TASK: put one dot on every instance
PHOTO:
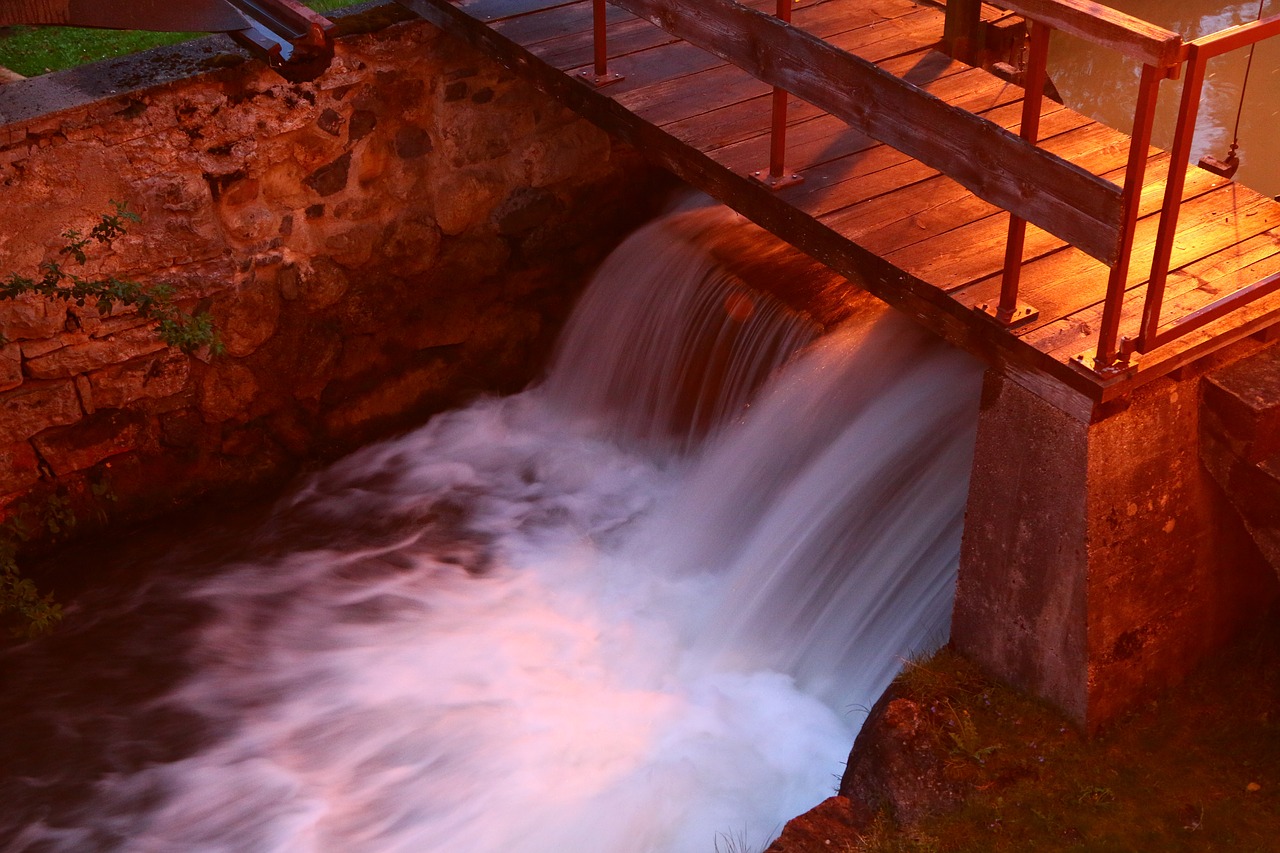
(31, 51)
(1198, 769)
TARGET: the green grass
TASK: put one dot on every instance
(1198, 769)
(31, 51)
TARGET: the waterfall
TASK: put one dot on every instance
(639, 607)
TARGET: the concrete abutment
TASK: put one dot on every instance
(1100, 561)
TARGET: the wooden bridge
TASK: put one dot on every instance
(916, 175)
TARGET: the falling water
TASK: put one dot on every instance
(641, 607)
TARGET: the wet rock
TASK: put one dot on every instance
(86, 355)
(150, 377)
(27, 318)
(330, 122)
(387, 401)
(85, 444)
(324, 285)
(227, 391)
(465, 198)
(10, 366)
(898, 764)
(412, 142)
(361, 125)
(832, 825)
(525, 209)
(19, 467)
(552, 158)
(36, 406)
(329, 179)
(249, 320)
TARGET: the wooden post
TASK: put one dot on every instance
(962, 30)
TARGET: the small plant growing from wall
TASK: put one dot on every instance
(24, 610)
(56, 279)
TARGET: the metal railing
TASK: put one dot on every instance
(1197, 55)
(1087, 211)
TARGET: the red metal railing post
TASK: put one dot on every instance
(1179, 159)
(1109, 352)
(599, 74)
(1009, 312)
(777, 178)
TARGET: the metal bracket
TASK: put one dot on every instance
(1089, 362)
(591, 78)
(296, 42)
(776, 182)
(1022, 314)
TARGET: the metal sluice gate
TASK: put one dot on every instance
(292, 39)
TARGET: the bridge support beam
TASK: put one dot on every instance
(1100, 562)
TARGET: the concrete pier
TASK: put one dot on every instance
(1100, 562)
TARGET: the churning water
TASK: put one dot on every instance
(635, 609)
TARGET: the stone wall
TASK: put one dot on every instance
(403, 232)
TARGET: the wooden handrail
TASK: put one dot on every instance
(1133, 37)
(988, 160)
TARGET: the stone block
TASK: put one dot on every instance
(227, 391)
(159, 375)
(92, 354)
(1244, 399)
(414, 244)
(323, 285)
(95, 438)
(574, 152)
(19, 467)
(465, 198)
(10, 366)
(36, 406)
(30, 318)
(354, 245)
(330, 178)
(391, 398)
(249, 319)
(249, 224)
(525, 209)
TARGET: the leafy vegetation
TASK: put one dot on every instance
(55, 280)
(24, 610)
(31, 51)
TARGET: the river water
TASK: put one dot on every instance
(1104, 85)
(640, 607)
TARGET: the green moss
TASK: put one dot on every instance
(1173, 776)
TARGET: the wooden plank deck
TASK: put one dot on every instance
(912, 236)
